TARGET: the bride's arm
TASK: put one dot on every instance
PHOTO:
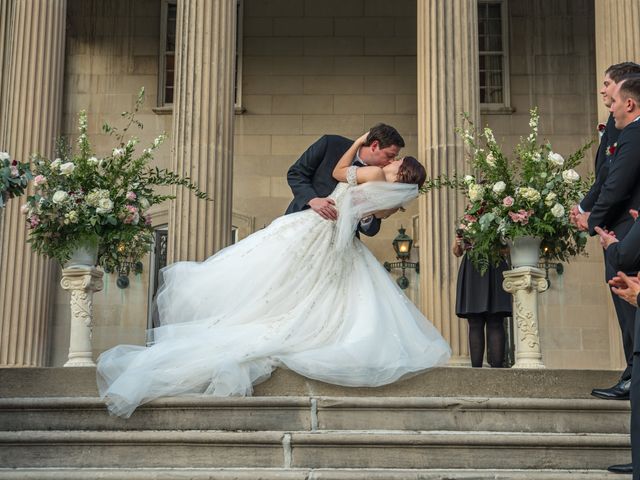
(363, 174)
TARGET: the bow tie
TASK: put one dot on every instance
(358, 163)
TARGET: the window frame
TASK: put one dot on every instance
(162, 105)
(505, 105)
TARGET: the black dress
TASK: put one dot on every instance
(478, 294)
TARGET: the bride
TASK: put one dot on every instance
(302, 293)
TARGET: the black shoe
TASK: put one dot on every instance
(620, 391)
(626, 468)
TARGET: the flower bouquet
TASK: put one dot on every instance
(528, 197)
(14, 177)
(81, 199)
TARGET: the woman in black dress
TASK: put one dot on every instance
(484, 303)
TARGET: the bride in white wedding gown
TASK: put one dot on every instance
(302, 293)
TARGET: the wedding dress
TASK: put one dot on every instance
(302, 293)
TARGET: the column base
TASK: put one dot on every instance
(83, 360)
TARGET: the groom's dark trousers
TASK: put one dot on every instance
(620, 192)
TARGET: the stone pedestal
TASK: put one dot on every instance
(82, 282)
(524, 283)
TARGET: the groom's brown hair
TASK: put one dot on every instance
(386, 136)
(620, 70)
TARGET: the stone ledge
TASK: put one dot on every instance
(438, 382)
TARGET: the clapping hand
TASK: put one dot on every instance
(626, 287)
(606, 237)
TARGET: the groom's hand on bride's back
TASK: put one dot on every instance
(325, 207)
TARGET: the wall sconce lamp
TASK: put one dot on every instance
(547, 265)
(402, 245)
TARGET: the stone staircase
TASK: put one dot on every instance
(448, 423)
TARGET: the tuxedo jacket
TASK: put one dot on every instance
(620, 189)
(608, 139)
(312, 175)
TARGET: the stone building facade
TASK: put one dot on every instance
(242, 88)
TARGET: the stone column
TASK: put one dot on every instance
(33, 116)
(617, 37)
(524, 283)
(203, 127)
(82, 282)
(6, 18)
(447, 86)
(617, 25)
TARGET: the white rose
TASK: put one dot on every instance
(60, 196)
(92, 161)
(67, 168)
(499, 187)
(5, 156)
(536, 157)
(556, 159)
(491, 160)
(56, 163)
(475, 192)
(570, 176)
(117, 152)
(557, 210)
(72, 216)
(530, 194)
(105, 205)
(469, 179)
(550, 199)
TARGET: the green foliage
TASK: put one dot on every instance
(80, 197)
(14, 178)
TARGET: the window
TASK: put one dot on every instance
(166, 73)
(493, 50)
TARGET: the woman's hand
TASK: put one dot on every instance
(362, 138)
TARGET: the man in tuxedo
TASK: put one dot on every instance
(607, 207)
(311, 176)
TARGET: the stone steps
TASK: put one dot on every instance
(534, 415)
(320, 449)
(301, 474)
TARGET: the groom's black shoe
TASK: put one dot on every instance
(620, 391)
(626, 468)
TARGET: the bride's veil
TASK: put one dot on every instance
(365, 199)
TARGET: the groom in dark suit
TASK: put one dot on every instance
(603, 206)
(311, 177)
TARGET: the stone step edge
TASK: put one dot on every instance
(297, 474)
(320, 438)
(208, 402)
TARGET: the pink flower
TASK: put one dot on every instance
(521, 216)
(39, 180)
(14, 171)
(34, 221)
(470, 218)
(147, 220)
(131, 196)
(507, 201)
(133, 217)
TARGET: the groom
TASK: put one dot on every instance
(311, 177)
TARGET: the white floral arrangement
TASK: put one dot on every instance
(531, 196)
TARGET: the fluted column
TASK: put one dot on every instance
(617, 36)
(203, 127)
(447, 86)
(33, 116)
(617, 25)
(6, 17)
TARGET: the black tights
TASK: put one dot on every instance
(495, 339)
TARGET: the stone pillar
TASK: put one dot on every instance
(617, 25)
(617, 38)
(33, 116)
(203, 127)
(6, 18)
(447, 86)
(524, 283)
(82, 282)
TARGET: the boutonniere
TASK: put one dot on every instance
(611, 149)
(601, 128)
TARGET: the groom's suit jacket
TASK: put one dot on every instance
(608, 139)
(312, 175)
(621, 188)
